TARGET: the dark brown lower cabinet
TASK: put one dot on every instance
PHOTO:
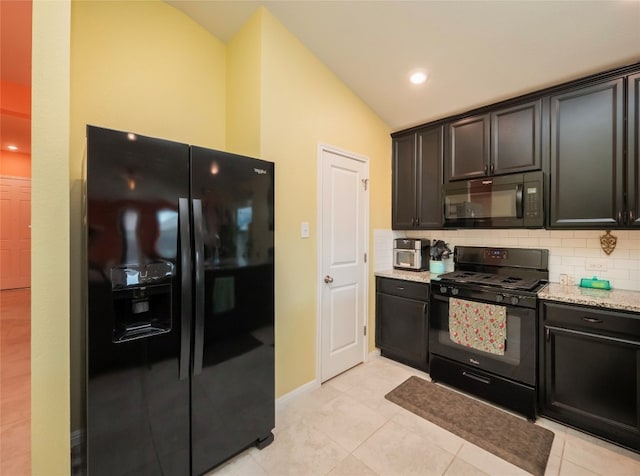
(590, 371)
(402, 321)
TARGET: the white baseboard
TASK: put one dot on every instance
(302, 389)
(374, 354)
(314, 384)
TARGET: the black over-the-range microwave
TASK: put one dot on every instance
(506, 201)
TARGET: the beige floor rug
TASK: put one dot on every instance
(515, 440)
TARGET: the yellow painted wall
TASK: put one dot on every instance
(50, 239)
(244, 74)
(304, 104)
(144, 67)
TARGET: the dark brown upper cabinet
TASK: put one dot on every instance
(504, 141)
(515, 139)
(404, 201)
(587, 179)
(417, 180)
(633, 150)
(584, 135)
(468, 153)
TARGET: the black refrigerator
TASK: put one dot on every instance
(180, 305)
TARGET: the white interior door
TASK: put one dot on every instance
(15, 232)
(344, 240)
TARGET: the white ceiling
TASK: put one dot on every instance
(477, 52)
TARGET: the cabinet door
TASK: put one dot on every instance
(515, 139)
(468, 153)
(633, 150)
(592, 382)
(586, 176)
(401, 329)
(404, 199)
(429, 178)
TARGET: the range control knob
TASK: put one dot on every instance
(454, 291)
(514, 300)
(499, 297)
(443, 289)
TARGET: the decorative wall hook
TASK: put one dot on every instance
(608, 242)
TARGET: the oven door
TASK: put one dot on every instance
(518, 361)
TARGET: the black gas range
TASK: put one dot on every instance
(489, 284)
(511, 276)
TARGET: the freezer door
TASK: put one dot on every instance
(137, 402)
(233, 368)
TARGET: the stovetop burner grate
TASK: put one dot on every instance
(520, 270)
(490, 279)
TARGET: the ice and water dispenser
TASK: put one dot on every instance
(141, 300)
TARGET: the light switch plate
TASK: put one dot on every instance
(304, 229)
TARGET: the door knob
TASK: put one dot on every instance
(328, 279)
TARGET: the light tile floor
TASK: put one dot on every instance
(347, 428)
(15, 382)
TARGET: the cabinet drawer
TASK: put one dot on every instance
(594, 320)
(406, 289)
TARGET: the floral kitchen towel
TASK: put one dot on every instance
(478, 325)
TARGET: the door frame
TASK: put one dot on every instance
(319, 283)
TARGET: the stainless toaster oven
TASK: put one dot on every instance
(411, 253)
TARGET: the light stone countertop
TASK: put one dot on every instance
(614, 299)
(620, 299)
(417, 276)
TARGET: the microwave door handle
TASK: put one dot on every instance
(519, 201)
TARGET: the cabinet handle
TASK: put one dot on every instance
(492, 168)
(619, 217)
(417, 221)
(632, 218)
(547, 334)
(592, 320)
(485, 169)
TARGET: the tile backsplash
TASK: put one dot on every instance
(574, 253)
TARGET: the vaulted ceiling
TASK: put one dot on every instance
(476, 52)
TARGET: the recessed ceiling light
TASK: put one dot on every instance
(418, 76)
(12, 147)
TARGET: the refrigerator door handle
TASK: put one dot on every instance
(198, 243)
(185, 273)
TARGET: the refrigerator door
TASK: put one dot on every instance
(233, 369)
(137, 340)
